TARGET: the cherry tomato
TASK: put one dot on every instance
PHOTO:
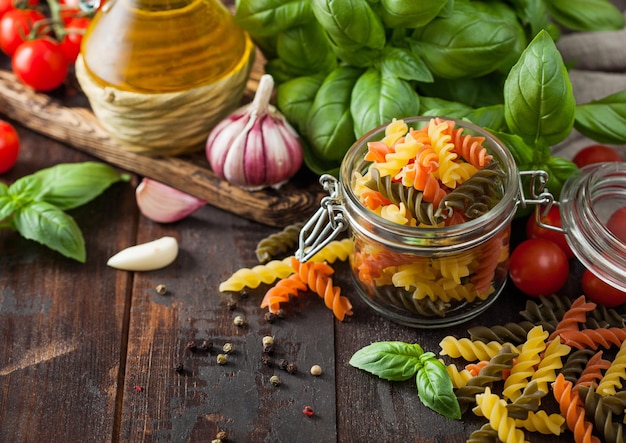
(553, 218)
(40, 64)
(596, 154)
(8, 5)
(601, 292)
(9, 146)
(617, 224)
(538, 267)
(71, 43)
(15, 26)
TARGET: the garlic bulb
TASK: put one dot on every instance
(255, 147)
(164, 204)
(155, 254)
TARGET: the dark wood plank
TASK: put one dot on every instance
(237, 397)
(62, 322)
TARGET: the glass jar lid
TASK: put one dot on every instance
(588, 199)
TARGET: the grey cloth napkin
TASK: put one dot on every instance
(598, 69)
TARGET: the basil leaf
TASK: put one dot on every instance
(538, 98)
(318, 165)
(294, 99)
(377, 99)
(404, 64)
(521, 151)
(305, 49)
(435, 390)
(48, 225)
(559, 170)
(408, 14)
(69, 185)
(603, 120)
(350, 24)
(469, 43)
(391, 360)
(474, 92)
(7, 203)
(270, 17)
(533, 13)
(330, 127)
(586, 15)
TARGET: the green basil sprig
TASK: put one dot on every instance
(34, 205)
(399, 361)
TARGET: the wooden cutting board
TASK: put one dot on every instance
(65, 115)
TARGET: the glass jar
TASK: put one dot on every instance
(155, 46)
(424, 276)
(588, 199)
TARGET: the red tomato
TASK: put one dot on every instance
(617, 224)
(596, 154)
(8, 5)
(15, 26)
(40, 64)
(71, 43)
(553, 218)
(600, 292)
(538, 267)
(9, 146)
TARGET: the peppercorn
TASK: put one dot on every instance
(206, 346)
(238, 321)
(266, 360)
(228, 348)
(179, 368)
(308, 411)
(222, 435)
(282, 364)
(267, 340)
(292, 368)
(161, 289)
(269, 317)
(275, 380)
(232, 305)
(281, 313)
(316, 370)
(192, 345)
(222, 359)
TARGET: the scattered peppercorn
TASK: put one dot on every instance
(206, 346)
(243, 293)
(267, 340)
(232, 305)
(222, 359)
(138, 388)
(222, 435)
(316, 370)
(282, 364)
(275, 380)
(228, 348)
(308, 411)
(180, 368)
(269, 317)
(266, 360)
(216, 440)
(238, 321)
(292, 368)
(281, 313)
(161, 289)
(192, 345)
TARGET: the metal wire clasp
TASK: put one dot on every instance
(539, 196)
(323, 226)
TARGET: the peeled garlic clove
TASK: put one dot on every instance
(164, 204)
(149, 256)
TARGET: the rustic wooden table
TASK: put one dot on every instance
(89, 353)
(93, 354)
